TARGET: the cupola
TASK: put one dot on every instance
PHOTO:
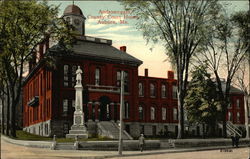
(74, 16)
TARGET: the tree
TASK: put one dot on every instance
(201, 102)
(225, 51)
(23, 25)
(244, 86)
(181, 26)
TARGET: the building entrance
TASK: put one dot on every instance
(105, 111)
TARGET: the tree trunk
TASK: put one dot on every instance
(246, 115)
(13, 119)
(203, 131)
(224, 121)
(2, 122)
(180, 117)
(8, 114)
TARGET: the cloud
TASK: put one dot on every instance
(116, 28)
(95, 26)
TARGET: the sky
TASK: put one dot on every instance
(126, 34)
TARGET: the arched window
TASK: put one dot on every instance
(65, 106)
(152, 113)
(141, 114)
(126, 112)
(141, 89)
(164, 113)
(163, 91)
(126, 81)
(73, 77)
(66, 75)
(230, 116)
(174, 92)
(118, 78)
(175, 114)
(238, 116)
(238, 103)
(152, 90)
(97, 76)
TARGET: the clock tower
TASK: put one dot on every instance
(74, 16)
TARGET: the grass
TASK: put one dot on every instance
(22, 135)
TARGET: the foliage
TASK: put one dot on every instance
(224, 53)
(201, 101)
(181, 26)
(23, 25)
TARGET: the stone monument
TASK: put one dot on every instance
(78, 128)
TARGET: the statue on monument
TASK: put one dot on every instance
(78, 128)
(78, 76)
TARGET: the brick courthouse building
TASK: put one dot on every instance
(150, 104)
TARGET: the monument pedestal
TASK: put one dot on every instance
(78, 128)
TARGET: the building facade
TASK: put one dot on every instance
(150, 104)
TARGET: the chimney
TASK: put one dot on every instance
(123, 48)
(170, 74)
(146, 72)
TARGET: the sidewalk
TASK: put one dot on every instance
(40, 152)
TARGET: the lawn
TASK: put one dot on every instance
(22, 135)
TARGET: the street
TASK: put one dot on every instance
(11, 151)
(240, 153)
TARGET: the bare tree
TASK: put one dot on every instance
(224, 53)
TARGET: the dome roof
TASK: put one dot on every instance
(73, 10)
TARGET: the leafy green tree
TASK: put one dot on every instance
(201, 102)
(23, 25)
(226, 49)
(180, 26)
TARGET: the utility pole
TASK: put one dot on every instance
(121, 114)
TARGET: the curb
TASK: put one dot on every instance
(36, 144)
(176, 151)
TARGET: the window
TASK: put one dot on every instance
(126, 82)
(140, 109)
(163, 91)
(65, 106)
(142, 129)
(126, 112)
(238, 116)
(141, 89)
(175, 114)
(229, 105)
(46, 129)
(73, 77)
(97, 76)
(65, 128)
(164, 113)
(154, 130)
(118, 78)
(66, 75)
(175, 92)
(230, 116)
(152, 113)
(238, 103)
(152, 90)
